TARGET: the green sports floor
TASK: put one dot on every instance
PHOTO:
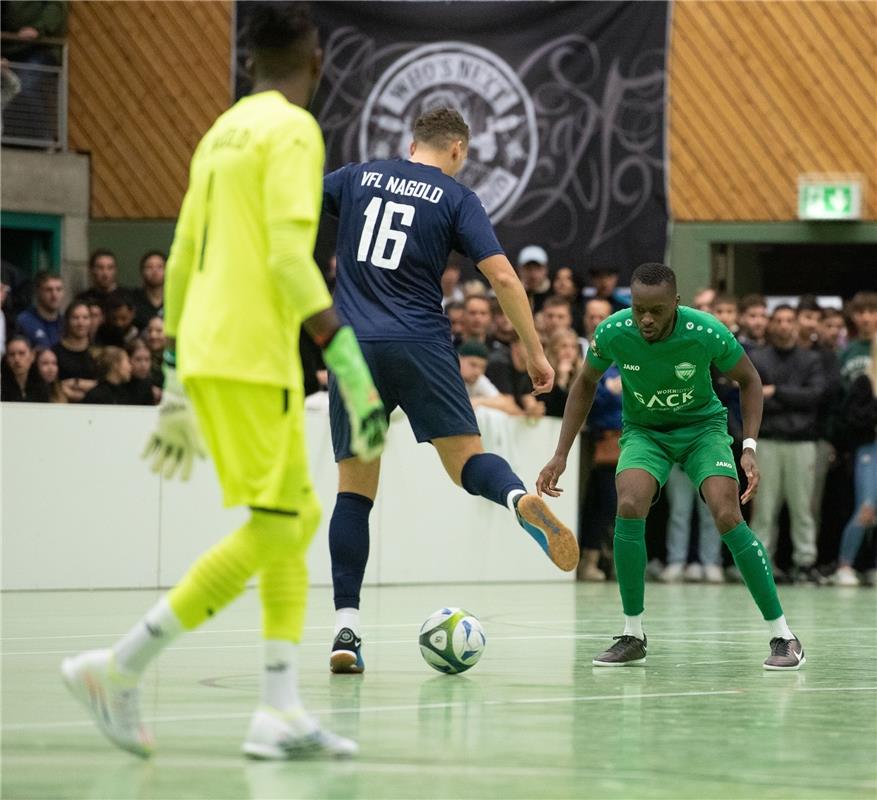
(533, 719)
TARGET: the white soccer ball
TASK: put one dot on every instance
(452, 640)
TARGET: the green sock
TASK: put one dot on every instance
(751, 559)
(630, 563)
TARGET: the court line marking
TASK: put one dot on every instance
(24, 726)
(838, 689)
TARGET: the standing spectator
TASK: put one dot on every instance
(96, 317)
(455, 313)
(556, 315)
(114, 386)
(507, 370)
(41, 323)
(144, 392)
(832, 330)
(76, 368)
(860, 427)
(725, 311)
(681, 497)
(149, 298)
(856, 358)
(102, 278)
(793, 386)
(564, 353)
(808, 314)
(473, 364)
(533, 269)
(21, 381)
(704, 299)
(47, 366)
(118, 328)
(502, 330)
(451, 291)
(604, 283)
(752, 319)
(566, 285)
(596, 310)
(476, 319)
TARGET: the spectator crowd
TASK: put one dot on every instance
(816, 449)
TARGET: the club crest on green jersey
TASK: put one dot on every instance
(685, 370)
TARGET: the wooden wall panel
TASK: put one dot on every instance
(146, 81)
(763, 91)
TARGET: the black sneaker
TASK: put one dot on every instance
(346, 654)
(785, 654)
(627, 651)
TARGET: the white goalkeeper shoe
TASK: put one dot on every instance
(275, 735)
(112, 699)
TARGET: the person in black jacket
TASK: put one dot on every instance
(21, 381)
(114, 388)
(794, 385)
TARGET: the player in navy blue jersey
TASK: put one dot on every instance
(398, 222)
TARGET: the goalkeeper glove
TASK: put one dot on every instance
(176, 440)
(368, 420)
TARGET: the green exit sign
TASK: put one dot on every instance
(820, 198)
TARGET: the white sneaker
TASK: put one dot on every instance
(694, 572)
(845, 576)
(275, 735)
(112, 699)
(672, 573)
(712, 573)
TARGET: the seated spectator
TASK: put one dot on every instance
(752, 321)
(454, 312)
(142, 387)
(473, 363)
(533, 270)
(77, 370)
(725, 311)
(704, 299)
(41, 323)
(21, 381)
(96, 318)
(564, 353)
(156, 342)
(809, 315)
(566, 285)
(507, 370)
(476, 319)
(114, 386)
(118, 328)
(102, 277)
(604, 286)
(596, 310)
(502, 330)
(451, 291)
(47, 366)
(557, 316)
(149, 298)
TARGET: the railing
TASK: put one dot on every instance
(34, 92)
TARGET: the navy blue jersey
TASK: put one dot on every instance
(398, 222)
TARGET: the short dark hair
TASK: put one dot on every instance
(781, 307)
(440, 127)
(750, 301)
(44, 275)
(117, 299)
(863, 301)
(654, 274)
(724, 300)
(555, 300)
(454, 305)
(808, 302)
(831, 311)
(100, 253)
(149, 254)
(276, 35)
(482, 297)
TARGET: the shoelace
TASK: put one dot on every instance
(624, 639)
(781, 647)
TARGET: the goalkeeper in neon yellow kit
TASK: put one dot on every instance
(241, 282)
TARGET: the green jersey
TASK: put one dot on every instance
(855, 361)
(666, 384)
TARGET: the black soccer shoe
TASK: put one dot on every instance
(785, 654)
(628, 651)
(346, 654)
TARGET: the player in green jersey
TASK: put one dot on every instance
(672, 415)
(241, 284)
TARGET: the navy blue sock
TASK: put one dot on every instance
(490, 476)
(348, 546)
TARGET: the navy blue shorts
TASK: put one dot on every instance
(424, 379)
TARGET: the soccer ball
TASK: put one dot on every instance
(452, 640)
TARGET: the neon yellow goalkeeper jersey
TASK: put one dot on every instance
(241, 276)
(666, 384)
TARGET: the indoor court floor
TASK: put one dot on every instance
(533, 719)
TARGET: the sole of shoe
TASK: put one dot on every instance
(563, 549)
(262, 752)
(343, 662)
(795, 668)
(637, 662)
(259, 751)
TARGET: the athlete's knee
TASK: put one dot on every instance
(727, 517)
(631, 506)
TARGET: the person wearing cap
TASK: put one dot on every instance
(604, 283)
(533, 269)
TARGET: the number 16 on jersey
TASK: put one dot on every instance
(386, 233)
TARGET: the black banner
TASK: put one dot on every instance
(565, 102)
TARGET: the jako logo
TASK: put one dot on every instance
(632, 367)
(724, 464)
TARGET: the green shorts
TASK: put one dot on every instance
(702, 449)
